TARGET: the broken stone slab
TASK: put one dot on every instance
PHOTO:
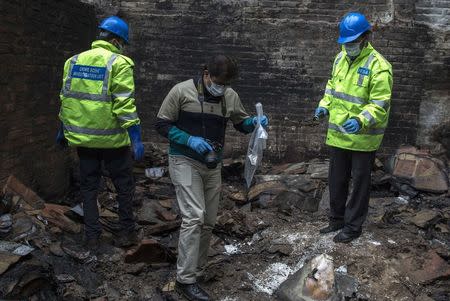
(270, 187)
(23, 228)
(296, 168)
(28, 281)
(147, 215)
(237, 223)
(314, 281)
(163, 228)
(419, 169)
(304, 183)
(15, 248)
(239, 197)
(288, 199)
(78, 253)
(6, 260)
(6, 222)
(166, 215)
(10, 253)
(149, 251)
(423, 218)
(346, 286)
(168, 203)
(318, 170)
(425, 270)
(13, 185)
(301, 182)
(55, 214)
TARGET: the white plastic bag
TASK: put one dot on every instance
(255, 147)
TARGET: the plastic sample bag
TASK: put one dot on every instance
(255, 147)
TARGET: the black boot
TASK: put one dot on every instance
(192, 292)
(346, 237)
(333, 226)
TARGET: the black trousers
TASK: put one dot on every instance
(346, 165)
(118, 163)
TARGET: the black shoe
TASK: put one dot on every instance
(92, 244)
(192, 292)
(346, 237)
(126, 239)
(331, 228)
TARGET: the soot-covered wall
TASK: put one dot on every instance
(36, 37)
(285, 50)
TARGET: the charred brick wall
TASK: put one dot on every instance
(285, 50)
(36, 37)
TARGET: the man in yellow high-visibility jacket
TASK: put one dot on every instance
(98, 117)
(357, 100)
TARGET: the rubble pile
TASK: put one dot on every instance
(265, 244)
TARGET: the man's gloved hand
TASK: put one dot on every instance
(320, 112)
(199, 144)
(351, 126)
(263, 120)
(134, 132)
(60, 138)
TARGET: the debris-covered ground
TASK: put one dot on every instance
(263, 237)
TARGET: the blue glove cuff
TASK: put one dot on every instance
(134, 132)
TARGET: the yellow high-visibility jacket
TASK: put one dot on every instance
(360, 89)
(97, 98)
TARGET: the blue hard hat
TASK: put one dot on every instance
(351, 27)
(116, 26)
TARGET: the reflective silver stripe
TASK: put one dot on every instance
(366, 65)
(382, 103)
(369, 117)
(337, 128)
(73, 61)
(128, 117)
(340, 129)
(109, 68)
(87, 96)
(99, 132)
(338, 59)
(347, 97)
(329, 92)
(123, 94)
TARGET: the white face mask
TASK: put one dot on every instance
(353, 49)
(215, 89)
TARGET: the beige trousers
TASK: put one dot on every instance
(198, 193)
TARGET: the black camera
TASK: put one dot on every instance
(212, 157)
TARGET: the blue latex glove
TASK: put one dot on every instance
(134, 132)
(60, 138)
(199, 144)
(264, 121)
(351, 126)
(320, 112)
